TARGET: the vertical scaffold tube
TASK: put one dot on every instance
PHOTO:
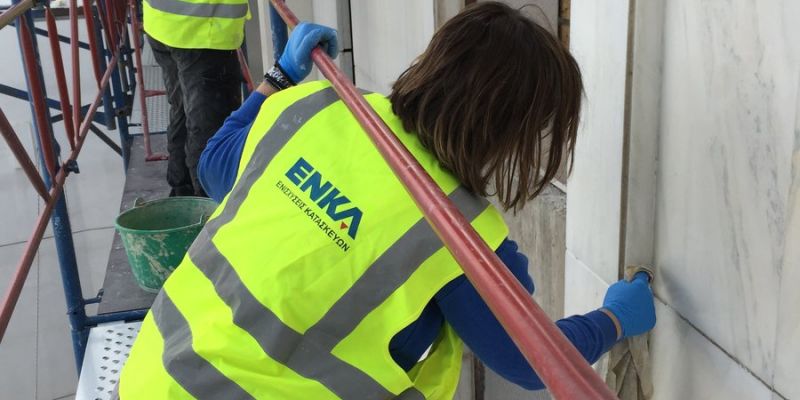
(61, 79)
(60, 222)
(143, 93)
(36, 93)
(91, 32)
(75, 57)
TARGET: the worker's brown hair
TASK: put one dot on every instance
(494, 96)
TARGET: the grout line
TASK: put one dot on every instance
(722, 349)
(65, 396)
(626, 142)
(693, 326)
(99, 228)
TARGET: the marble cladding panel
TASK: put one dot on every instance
(544, 12)
(686, 365)
(787, 345)
(725, 190)
(538, 229)
(598, 42)
(584, 289)
(387, 36)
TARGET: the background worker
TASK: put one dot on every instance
(272, 306)
(195, 42)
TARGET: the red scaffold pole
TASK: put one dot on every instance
(11, 13)
(32, 246)
(560, 366)
(248, 80)
(92, 34)
(37, 97)
(76, 63)
(143, 92)
(61, 79)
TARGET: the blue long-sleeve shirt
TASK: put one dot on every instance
(458, 302)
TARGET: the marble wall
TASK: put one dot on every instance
(697, 170)
(387, 36)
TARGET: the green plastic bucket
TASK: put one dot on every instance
(156, 235)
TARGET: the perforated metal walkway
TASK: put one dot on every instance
(106, 351)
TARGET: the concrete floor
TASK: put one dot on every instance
(36, 358)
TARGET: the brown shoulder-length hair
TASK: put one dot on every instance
(494, 97)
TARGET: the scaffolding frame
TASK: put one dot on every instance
(114, 68)
(117, 68)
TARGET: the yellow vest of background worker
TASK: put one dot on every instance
(308, 268)
(196, 24)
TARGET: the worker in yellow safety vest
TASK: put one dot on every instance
(318, 278)
(195, 42)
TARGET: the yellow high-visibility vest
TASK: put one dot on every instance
(311, 264)
(196, 24)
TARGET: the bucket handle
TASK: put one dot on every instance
(203, 219)
(138, 202)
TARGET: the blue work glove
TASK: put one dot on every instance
(295, 62)
(632, 304)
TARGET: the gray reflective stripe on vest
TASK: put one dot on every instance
(278, 340)
(287, 124)
(194, 373)
(203, 10)
(308, 355)
(282, 343)
(387, 273)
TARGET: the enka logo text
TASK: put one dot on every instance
(327, 197)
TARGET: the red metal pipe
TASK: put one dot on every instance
(37, 95)
(105, 23)
(560, 366)
(154, 93)
(245, 70)
(61, 80)
(143, 94)
(76, 63)
(7, 16)
(88, 15)
(22, 156)
(23, 267)
(119, 14)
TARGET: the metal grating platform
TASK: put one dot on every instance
(106, 352)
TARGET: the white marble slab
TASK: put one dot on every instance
(584, 289)
(544, 12)
(584, 292)
(387, 36)
(598, 40)
(687, 366)
(787, 346)
(727, 139)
